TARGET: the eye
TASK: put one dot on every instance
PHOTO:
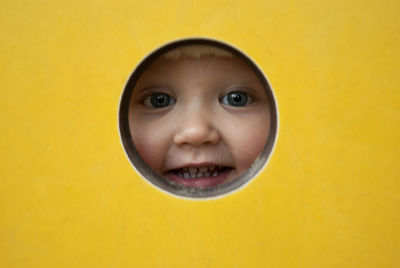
(237, 99)
(158, 100)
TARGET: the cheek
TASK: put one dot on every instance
(151, 143)
(148, 151)
(248, 141)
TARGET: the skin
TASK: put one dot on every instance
(199, 127)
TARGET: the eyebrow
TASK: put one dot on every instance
(139, 92)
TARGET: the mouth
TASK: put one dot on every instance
(200, 177)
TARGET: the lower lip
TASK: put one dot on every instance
(202, 182)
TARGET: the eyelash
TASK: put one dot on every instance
(161, 100)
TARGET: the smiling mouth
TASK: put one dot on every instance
(200, 177)
(193, 172)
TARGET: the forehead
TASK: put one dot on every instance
(211, 69)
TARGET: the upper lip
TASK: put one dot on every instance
(198, 165)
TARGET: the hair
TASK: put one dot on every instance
(196, 52)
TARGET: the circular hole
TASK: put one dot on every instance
(198, 118)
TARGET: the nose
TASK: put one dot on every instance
(196, 128)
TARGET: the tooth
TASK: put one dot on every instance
(199, 174)
(207, 174)
(203, 169)
(215, 174)
(211, 168)
(193, 175)
(180, 174)
(192, 170)
(184, 169)
(186, 175)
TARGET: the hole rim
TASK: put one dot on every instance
(159, 182)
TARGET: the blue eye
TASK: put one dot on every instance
(158, 100)
(237, 99)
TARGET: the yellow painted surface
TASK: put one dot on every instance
(329, 197)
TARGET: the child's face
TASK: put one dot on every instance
(199, 122)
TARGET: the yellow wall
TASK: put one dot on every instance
(329, 197)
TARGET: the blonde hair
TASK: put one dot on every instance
(196, 52)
